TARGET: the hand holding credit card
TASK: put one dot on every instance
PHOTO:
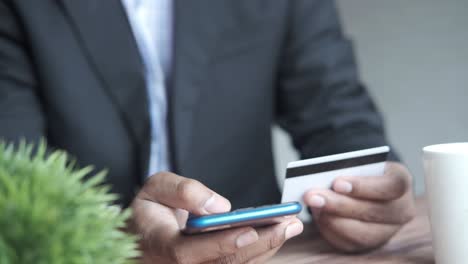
(320, 172)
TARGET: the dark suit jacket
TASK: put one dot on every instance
(70, 71)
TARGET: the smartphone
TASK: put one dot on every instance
(252, 216)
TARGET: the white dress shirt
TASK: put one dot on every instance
(151, 22)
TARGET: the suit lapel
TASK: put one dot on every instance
(194, 40)
(104, 31)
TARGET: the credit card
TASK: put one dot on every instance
(320, 172)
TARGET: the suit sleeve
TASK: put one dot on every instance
(21, 115)
(320, 99)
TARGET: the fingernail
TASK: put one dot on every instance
(246, 239)
(316, 201)
(214, 205)
(343, 186)
(293, 230)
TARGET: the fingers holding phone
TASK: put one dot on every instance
(161, 209)
(270, 240)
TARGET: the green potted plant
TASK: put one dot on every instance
(49, 214)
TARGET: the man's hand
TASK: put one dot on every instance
(161, 209)
(362, 213)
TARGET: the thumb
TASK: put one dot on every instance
(179, 192)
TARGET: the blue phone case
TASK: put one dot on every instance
(253, 216)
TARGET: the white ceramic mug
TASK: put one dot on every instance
(446, 177)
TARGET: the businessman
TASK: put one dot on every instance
(177, 98)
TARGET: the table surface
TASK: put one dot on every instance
(412, 244)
